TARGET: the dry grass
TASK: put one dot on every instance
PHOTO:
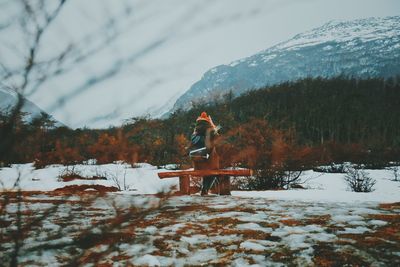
(222, 221)
(385, 240)
(318, 220)
(73, 177)
(390, 206)
(327, 255)
(285, 256)
(84, 187)
(292, 222)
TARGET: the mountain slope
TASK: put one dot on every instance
(8, 100)
(360, 48)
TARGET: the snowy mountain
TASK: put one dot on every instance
(8, 99)
(359, 48)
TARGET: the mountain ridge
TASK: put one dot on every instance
(360, 48)
(8, 100)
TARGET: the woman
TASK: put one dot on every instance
(204, 154)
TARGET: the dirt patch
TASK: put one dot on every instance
(285, 256)
(85, 188)
(72, 177)
(390, 206)
(15, 194)
(163, 246)
(5, 223)
(292, 222)
(254, 234)
(237, 209)
(267, 224)
(385, 240)
(225, 221)
(327, 255)
(319, 220)
(190, 208)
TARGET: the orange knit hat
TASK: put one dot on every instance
(204, 117)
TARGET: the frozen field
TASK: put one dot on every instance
(194, 230)
(323, 225)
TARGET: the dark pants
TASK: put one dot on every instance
(207, 183)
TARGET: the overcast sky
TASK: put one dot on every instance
(165, 46)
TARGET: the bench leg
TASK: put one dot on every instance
(184, 185)
(224, 185)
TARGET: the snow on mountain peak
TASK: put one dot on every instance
(360, 48)
(343, 31)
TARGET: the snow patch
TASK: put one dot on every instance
(254, 227)
(249, 245)
(147, 260)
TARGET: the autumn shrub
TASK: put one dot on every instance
(270, 152)
(271, 179)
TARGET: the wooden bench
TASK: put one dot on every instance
(223, 185)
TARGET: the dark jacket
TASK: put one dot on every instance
(204, 136)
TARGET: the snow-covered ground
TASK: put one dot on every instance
(139, 179)
(204, 231)
(143, 179)
(331, 187)
(324, 225)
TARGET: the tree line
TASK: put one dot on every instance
(294, 125)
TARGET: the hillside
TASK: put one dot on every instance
(8, 100)
(361, 48)
(30, 111)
